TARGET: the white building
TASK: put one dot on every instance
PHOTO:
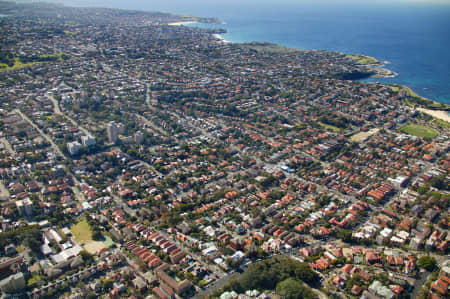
(121, 128)
(25, 207)
(14, 283)
(87, 141)
(138, 137)
(73, 147)
(112, 131)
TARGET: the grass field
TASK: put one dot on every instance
(269, 48)
(19, 64)
(419, 131)
(82, 232)
(362, 59)
(330, 127)
(361, 136)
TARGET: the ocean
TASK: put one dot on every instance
(413, 37)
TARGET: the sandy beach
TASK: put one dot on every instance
(218, 36)
(443, 115)
(181, 23)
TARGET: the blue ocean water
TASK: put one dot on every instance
(413, 37)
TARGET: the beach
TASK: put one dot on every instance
(440, 114)
(181, 23)
(218, 36)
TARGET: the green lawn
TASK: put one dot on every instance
(419, 131)
(82, 232)
(19, 64)
(330, 127)
(362, 59)
(269, 48)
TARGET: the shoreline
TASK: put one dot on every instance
(440, 114)
(182, 23)
(220, 38)
(372, 63)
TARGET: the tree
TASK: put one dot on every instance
(345, 235)
(87, 257)
(293, 289)
(91, 295)
(428, 263)
(108, 284)
(265, 275)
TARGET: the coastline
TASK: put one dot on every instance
(374, 66)
(182, 23)
(440, 114)
(220, 37)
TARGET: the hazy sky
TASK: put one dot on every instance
(212, 2)
(214, 7)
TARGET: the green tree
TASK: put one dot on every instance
(87, 257)
(107, 284)
(293, 289)
(428, 263)
(345, 235)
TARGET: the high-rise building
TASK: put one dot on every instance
(120, 128)
(112, 131)
(87, 141)
(138, 137)
(13, 283)
(73, 147)
(25, 207)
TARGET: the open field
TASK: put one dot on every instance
(82, 232)
(362, 59)
(419, 131)
(94, 246)
(361, 136)
(330, 127)
(19, 64)
(269, 48)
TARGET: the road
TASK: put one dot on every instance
(4, 193)
(319, 294)
(57, 110)
(218, 284)
(45, 136)
(8, 146)
(123, 205)
(53, 145)
(151, 125)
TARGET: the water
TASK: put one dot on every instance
(413, 37)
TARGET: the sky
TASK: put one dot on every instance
(205, 7)
(275, 2)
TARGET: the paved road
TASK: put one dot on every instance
(419, 284)
(215, 286)
(8, 146)
(4, 193)
(58, 111)
(149, 104)
(319, 294)
(46, 137)
(56, 108)
(123, 205)
(49, 140)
